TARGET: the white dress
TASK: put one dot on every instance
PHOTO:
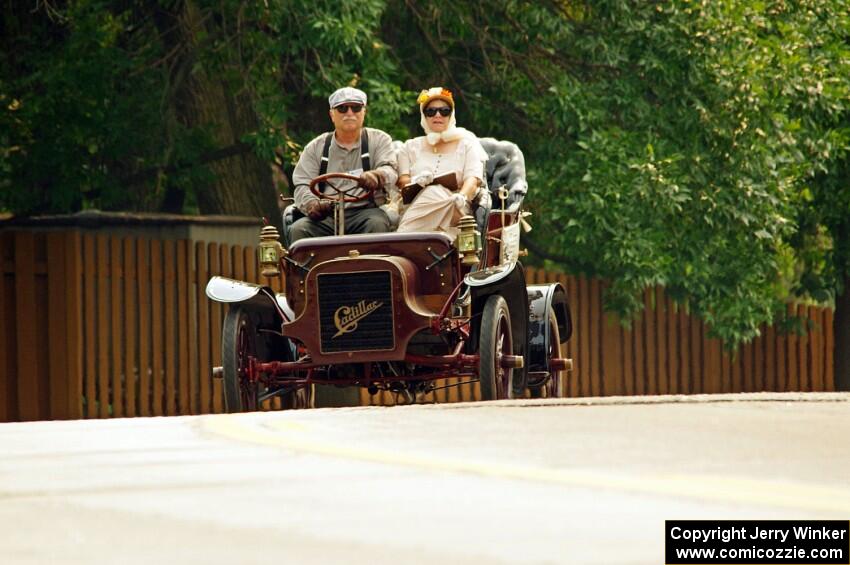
(434, 208)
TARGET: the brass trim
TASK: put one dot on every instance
(353, 314)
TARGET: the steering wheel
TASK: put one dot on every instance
(339, 191)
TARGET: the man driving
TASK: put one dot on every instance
(363, 152)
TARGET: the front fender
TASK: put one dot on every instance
(490, 275)
(543, 299)
(230, 291)
(222, 289)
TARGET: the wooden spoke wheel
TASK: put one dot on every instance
(556, 384)
(239, 343)
(495, 340)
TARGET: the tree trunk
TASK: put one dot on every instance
(243, 182)
(841, 328)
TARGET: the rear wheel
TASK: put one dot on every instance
(495, 340)
(239, 342)
(556, 384)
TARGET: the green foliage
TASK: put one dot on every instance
(89, 92)
(668, 143)
(308, 50)
(73, 113)
(702, 145)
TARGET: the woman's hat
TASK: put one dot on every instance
(436, 93)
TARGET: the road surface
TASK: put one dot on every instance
(572, 481)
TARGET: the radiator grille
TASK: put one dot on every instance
(356, 311)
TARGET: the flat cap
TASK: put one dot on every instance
(347, 94)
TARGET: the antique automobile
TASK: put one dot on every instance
(399, 311)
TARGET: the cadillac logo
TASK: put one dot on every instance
(347, 317)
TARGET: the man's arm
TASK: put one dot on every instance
(305, 171)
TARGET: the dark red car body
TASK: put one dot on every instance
(398, 311)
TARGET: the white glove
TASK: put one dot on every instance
(461, 203)
(423, 179)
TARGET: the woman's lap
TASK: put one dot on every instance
(433, 209)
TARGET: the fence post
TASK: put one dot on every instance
(171, 390)
(89, 274)
(28, 360)
(131, 305)
(64, 295)
(184, 348)
(144, 285)
(74, 323)
(8, 408)
(829, 344)
(116, 302)
(205, 353)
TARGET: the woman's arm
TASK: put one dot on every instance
(473, 168)
(403, 180)
(470, 187)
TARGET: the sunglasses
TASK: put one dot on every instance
(344, 108)
(445, 111)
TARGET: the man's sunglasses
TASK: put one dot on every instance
(445, 111)
(343, 108)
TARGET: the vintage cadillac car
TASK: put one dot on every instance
(398, 311)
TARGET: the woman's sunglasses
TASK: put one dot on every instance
(343, 108)
(444, 111)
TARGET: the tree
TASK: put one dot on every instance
(670, 143)
(701, 145)
(174, 105)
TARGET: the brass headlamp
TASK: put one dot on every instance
(468, 241)
(270, 251)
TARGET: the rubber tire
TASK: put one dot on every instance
(238, 323)
(496, 382)
(555, 386)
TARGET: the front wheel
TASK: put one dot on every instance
(495, 340)
(239, 342)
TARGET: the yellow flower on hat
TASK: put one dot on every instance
(435, 93)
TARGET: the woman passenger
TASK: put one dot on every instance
(443, 149)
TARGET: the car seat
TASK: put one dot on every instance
(505, 167)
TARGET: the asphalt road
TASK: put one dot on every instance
(586, 481)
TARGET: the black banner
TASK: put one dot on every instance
(742, 542)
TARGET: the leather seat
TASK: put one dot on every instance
(290, 214)
(505, 167)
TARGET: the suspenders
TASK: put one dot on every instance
(364, 155)
(364, 151)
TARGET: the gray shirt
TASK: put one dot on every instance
(343, 159)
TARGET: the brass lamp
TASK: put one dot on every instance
(270, 252)
(468, 241)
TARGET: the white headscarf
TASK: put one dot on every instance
(452, 132)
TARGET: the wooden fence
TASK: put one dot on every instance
(96, 326)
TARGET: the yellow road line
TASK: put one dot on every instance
(719, 489)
